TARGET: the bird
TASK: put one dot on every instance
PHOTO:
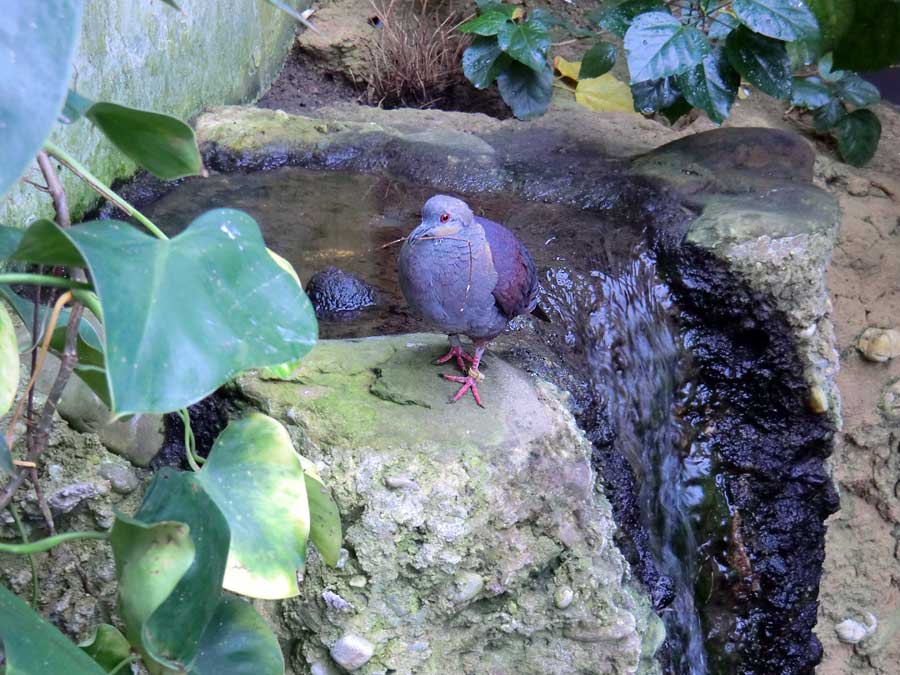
(466, 275)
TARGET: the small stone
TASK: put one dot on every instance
(357, 581)
(879, 344)
(343, 557)
(563, 597)
(121, 478)
(333, 292)
(858, 186)
(818, 402)
(400, 483)
(352, 651)
(336, 602)
(852, 631)
(65, 500)
(466, 585)
(890, 401)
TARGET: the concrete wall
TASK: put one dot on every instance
(144, 54)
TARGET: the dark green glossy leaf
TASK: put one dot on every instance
(872, 41)
(616, 17)
(237, 641)
(163, 145)
(107, 646)
(597, 61)
(856, 91)
(199, 309)
(482, 62)
(828, 115)
(803, 52)
(37, 43)
(722, 24)
(677, 110)
(761, 60)
(485, 6)
(655, 95)
(324, 516)
(857, 135)
(75, 108)
(172, 633)
(809, 92)
(827, 71)
(834, 17)
(525, 91)
(780, 19)
(9, 363)
(658, 45)
(711, 86)
(32, 646)
(527, 43)
(544, 19)
(488, 23)
(256, 478)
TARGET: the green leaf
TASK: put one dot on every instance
(32, 646)
(489, 23)
(809, 92)
(10, 237)
(872, 40)
(37, 43)
(198, 309)
(544, 19)
(526, 43)
(163, 145)
(856, 91)
(761, 60)
(107, 646)
(525, 91)
(9, 362)
(722, 25)
(616, 17)
(828, 115)
(655, 95)
(170, 560)
(256, 478)
(237, 641)
(485, 6)
(658, 45)
(857, 135)
(803, 52)
(834, 17)
(482, 62)
(597, 61)
(75, 108)
(5, 457)
(827, 71)
(711, 86)
(324, 516)
(780, 19)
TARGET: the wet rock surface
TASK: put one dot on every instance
(334, 292)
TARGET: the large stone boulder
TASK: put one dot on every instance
(477, 540)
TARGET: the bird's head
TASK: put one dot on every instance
(443, 216)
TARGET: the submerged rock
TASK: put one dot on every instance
(498, 509)
(333, 291)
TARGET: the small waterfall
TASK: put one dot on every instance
(620, 324)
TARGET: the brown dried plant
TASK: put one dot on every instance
(417, 57)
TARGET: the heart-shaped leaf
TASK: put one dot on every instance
(616, 17)
(857, 135)
(489, 23)
(780, 19)
(597, 61)
(256, 478)
(107, 646)
(856, 91)
(324, 516)
(237, 641)
(197, 310)
(9, 361)
(761, 60)
(527, 43)
(655, 95)
(32, 646)
(526, 91)
(37, 43)
(482, 62)
(827, 116)
(711, 85)
(658, 45)
(809, 93)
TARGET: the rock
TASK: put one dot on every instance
(858, 186)
(120, 477)
(352, 652)
(563, 597)
(342, 45)
(506, 511)
(333, 291)
(879, 344)
(890, 401)
(852, 631)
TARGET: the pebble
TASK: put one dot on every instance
(466, 586)
(818, 402)
(336, 602)
(352, 651)
(357, 581)
(852, 631)
(879, 344)
(890, 402)
(563, 597)
(120, 477)
(858, 186)
(400, 483)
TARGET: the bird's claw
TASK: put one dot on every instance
(468, 382)
(460, 356)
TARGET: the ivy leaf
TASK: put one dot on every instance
(761, 60)
(711, 86)
(544, 19)
(489, 23)
(482, 62)
(856, 91)
(872, 40)
(526, 43)
(827, 116)
(655, 95)
(37, 43)
(597, 61)
(324, 516)
(237, 641)
(857, 136)
(809, 92)
(9, 363)
(658, 45)
(525, 91)
(485, 6)
(780, 19)
(107, 646)
(827, 71)
(616, 17)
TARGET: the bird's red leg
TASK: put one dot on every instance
(457, 352)
(470, 381)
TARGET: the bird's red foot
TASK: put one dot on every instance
(468, 382)
(459, 354)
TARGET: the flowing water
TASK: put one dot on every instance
(615, 318)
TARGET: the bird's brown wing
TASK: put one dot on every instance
(517, 287)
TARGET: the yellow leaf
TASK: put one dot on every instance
(518, 13)
(604, 94)
(567, 69)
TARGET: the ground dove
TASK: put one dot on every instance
(467, 276)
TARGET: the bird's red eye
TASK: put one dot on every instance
(445, 217)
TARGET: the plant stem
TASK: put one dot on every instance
(90, 300)
(55, 188)
(42, 280)
(97, 185)
(47, 543)
(134, 658)
(190, 442)
(35, 587)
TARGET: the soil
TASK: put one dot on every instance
(301, 88)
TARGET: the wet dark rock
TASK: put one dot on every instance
(333, 291)
(209, 418)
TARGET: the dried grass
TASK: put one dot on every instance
(417, 58)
